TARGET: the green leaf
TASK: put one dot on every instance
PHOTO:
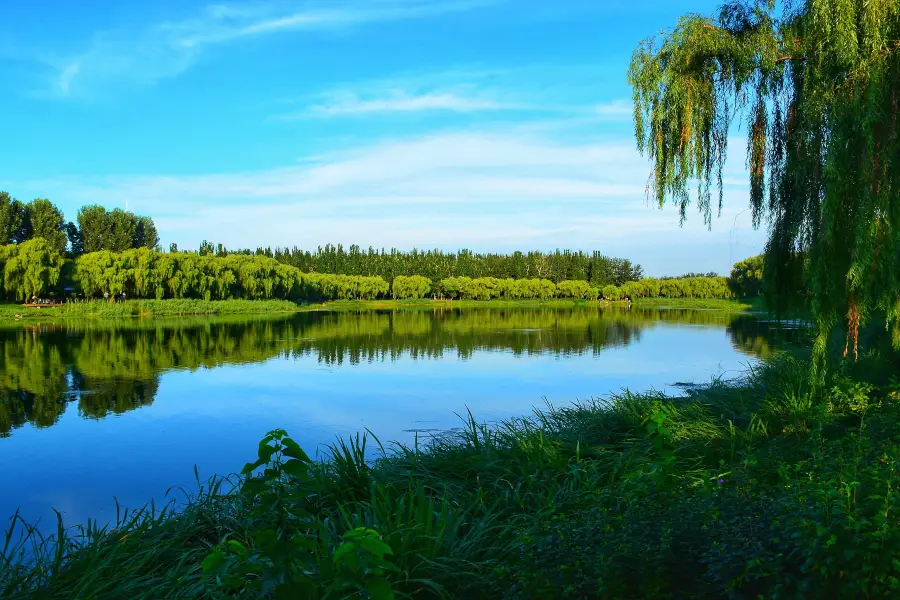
(265, 539)
(238, 549)
(296, 590)
(341, 554)
(375, 547)
(250, 467)
(296, 468)
(305, 542)
(380, 589)
(293, 450)
(253, 487)
(214, 561)
(265, 451)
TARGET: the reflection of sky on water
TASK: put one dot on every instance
(214, 417)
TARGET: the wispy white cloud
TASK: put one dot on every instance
(401, 102)
(68, 74)
(533, 88)
(167, 49)
(479, 189)
(617, 109)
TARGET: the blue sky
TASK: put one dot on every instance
(487, 124)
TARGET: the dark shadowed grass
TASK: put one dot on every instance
(756, 486)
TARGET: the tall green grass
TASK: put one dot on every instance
(761, 487)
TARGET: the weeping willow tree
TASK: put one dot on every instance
(816, 86)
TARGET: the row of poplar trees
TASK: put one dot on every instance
(561, 265)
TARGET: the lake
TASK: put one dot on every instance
(100, 409)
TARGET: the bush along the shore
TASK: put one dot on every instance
(764, 487)
(35, 268)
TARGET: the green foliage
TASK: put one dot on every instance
(747, 276)
(148, 273)
(704, 288)
(560, 265)
(577, 289)
(318, 287)
(145, 234)
(611, 292)
(291, 553)
(489, 288)
(44, 220)
(76, 239)
(113, 231)
(12, 219)
(31, 268)
(92, 224)
(817, 83)
(410, 288)
(120, 227)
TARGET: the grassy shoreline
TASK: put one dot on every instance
(176, 307)
(742, 305)
(756, 486)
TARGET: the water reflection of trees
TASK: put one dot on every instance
(111, 367)
(760, 337)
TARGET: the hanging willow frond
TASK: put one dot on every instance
(819, 83)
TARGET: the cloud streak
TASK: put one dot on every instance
(167, 49)
(401, 102)
(536, 89)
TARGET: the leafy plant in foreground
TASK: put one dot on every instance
(291, 554)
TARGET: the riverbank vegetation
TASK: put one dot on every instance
(34, 268)
(740, 488)
(144, 308)
(115, 255)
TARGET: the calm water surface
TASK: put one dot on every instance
(126, 409)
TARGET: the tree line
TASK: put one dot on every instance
(560, 265)
(35, 268)
(95, 228)
(115, 253)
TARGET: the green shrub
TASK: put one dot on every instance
(576, 289)
(611, 292)
(409, 288)
(746, 277)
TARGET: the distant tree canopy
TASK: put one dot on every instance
(36, 268)
(818, 85)
(115, 230)
(44, 220)
(12, 219)
(561, 265)
(96, 229)
(746, 277)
